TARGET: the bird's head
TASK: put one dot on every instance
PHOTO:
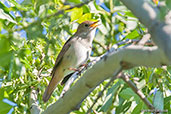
(86, 28)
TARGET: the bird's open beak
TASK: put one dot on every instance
(95, 24)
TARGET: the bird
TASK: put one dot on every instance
(74, 53)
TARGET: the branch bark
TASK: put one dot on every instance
(149, 16)
(103, 69)
(136, 90)
(34, 108)
(155, 56)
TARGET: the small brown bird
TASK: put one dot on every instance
(75, 52)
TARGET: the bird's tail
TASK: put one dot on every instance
(50, 88)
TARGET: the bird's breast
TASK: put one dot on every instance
(81, 53)
(76, 55)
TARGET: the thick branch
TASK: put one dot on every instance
(106, 67)
(149, 16)
(93, 61)
(132, 55)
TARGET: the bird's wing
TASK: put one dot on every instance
(61, 54)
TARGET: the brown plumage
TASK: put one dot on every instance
(75, 52)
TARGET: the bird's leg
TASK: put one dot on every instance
(78, 69)
(74, 69)
(83, 65)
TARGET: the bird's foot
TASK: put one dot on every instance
(84, 65)
(74, 69)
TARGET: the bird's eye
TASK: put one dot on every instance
(86, 25)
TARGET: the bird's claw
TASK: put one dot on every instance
(74, 69)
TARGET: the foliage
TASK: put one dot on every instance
(32, 36)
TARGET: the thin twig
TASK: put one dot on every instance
(34, 108)
(144, 39)
(101, 45)
(136, 90)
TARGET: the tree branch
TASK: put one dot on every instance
(144, 39)
(93, 61)
(136, 90)
(34, 108)
(149, 16)
(111, 62)
(103, 69)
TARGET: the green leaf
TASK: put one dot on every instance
(77, 112)
(126, 106)
(130, 14)
(169, 69)
(128, 93)
(18, 6)
(38, 3)
(121, 27)
(86, 9)
(138, 108)
(74, 1)
(119, 108)
(158, 100)
(134, 34)
(5, 9)
(5, 54)
(116, 2)
(167, 102)
(27, 3)
(123, 107)
(76, 13)
(109, 97)
(5, 58)
(141, 84)
(4, 107)
(1, 94)
(26, 62)
(4, 44)
(168, 3)
(163, 12)
(35, 31)
(85, 17)
(3, 15)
